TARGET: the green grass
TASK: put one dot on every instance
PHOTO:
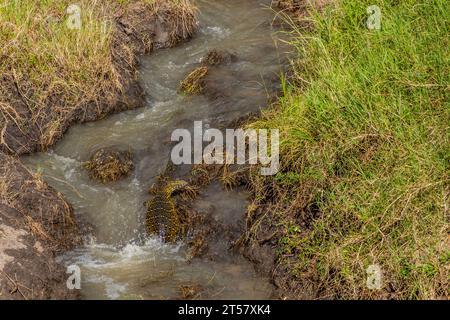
(364, 129)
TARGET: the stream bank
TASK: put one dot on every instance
(36, 222)
(119, 259)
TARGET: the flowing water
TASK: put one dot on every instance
(119, 260)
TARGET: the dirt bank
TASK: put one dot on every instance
(36, 224)
(36, 108)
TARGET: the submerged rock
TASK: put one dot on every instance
(109, 165)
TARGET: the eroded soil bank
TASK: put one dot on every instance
(36, 223)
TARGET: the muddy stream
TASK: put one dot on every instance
(118, 260)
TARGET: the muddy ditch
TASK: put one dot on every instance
(236, 41)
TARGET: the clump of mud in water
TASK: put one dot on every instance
(289, 5)
(108, 165)
(217, 57)
(194, 83)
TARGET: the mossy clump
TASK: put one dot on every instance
(213, 58)
(216, 57)
(109, 165)
(194, 83)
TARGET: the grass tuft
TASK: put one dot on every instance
(193, 84)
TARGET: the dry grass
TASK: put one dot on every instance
(53, 75)
(46, 61)
(190, 291)
(183, 13)
(194, 84)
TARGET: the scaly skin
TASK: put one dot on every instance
(162, 217)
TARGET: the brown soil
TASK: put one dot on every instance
(260, 243)
(36, 223)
